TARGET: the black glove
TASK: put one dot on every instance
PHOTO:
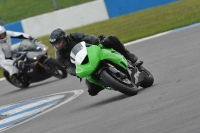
(66, 63)
(101, 37)
(19, 64)
(31, 38)
(71, 70)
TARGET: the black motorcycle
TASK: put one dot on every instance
(37, 66)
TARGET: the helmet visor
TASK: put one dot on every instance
(3, 35)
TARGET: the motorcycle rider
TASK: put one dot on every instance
(6, 60)
(63, 44)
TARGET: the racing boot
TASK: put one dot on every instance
(130, 56)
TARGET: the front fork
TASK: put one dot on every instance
(43, 61)
(120, 74)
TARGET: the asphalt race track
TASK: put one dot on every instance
(171, 105)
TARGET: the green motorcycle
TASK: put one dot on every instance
(109, 69)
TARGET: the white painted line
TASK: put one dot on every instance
(27, 106)
(2, 79)
(161, 34)
(26, 114)
(147, 38)
(29, 109)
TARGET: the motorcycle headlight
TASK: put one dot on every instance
(45, 48)
(35, 58)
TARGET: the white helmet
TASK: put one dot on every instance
(3, 34)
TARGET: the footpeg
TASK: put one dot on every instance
(138, 64)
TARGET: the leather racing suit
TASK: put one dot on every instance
(63, 55)
(5, 51)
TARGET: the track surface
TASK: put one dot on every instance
(171, 105)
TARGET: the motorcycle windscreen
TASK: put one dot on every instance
(78, 53)
(27, 45)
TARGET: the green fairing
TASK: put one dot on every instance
(115, 57)
(85, 70)
(95, 55)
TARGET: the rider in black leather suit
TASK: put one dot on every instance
(63, 44)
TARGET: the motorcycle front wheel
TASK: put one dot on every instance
(116, 84)
(53, 67)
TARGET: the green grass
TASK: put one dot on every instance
(142, 24)
(145, 23)
(15, 10)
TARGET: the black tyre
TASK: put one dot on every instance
(52, 66)
(113, 82)
(8, 78)
(148, 78)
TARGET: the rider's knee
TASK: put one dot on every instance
(93, 89)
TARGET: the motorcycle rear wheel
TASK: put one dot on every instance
(22, 86)
(114, 83)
